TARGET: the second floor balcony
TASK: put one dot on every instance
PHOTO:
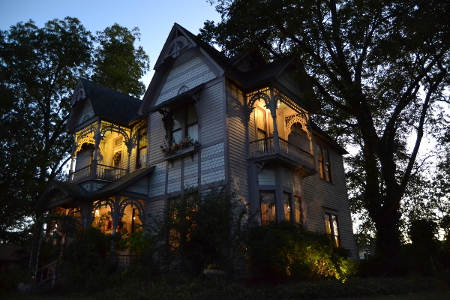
(269, 149)
(98, 172)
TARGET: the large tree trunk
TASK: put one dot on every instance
(388, 242)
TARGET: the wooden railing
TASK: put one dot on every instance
(124, 261)
(264, 147)
(46, 274)
(103, 172)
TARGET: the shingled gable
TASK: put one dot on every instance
(107, 103)
(261, 74)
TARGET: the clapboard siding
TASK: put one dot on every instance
(156, 138)
(212, 164)
(157, 181)
(188, 70)
(87, 113)
(211, 115)
(237, 140)
(321, 196)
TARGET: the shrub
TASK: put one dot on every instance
(86, 261)
(282, 251)
(202, 231)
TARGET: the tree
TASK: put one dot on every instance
(379, 69)
(118, 64)
(39, 68)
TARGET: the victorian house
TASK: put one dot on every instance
(205, 121)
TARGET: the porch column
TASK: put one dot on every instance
(115, 215)
(96, 155)
(72, 159)
(86, 214)
(273, 111)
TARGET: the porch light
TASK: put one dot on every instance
(97, 213)
(278, 103)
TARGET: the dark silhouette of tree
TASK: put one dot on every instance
(379, 69)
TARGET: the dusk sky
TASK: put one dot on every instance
(154, 18)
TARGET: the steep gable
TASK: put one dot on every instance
(94, 100)
(182, 65)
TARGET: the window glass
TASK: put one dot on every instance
(192, 132)
(324, 163)
(287, 206)
(297, 213)
(260, 120)
(191, 114)
(184, 124)
(332, 228)
(268, 211)
(141, 155)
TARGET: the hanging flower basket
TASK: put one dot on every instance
(117, 157)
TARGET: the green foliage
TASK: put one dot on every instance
(282, 251)
(422, 255)
(86, 262)
(196, 288)
(39, 68)
(118, 63)
(202, 231)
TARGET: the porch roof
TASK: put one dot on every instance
(64, 193)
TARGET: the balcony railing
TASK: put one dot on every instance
(103, 172)
(266, 147)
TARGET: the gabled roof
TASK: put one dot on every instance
(261, 74)
(107, 103)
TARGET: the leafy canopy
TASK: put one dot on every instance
(379, 70)
(39, 68)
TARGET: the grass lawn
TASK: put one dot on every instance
(427, 295)
(358, 289)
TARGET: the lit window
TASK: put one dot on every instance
(291, 208)
(332, 228)
(324, 163)
(267, 205)
(287, 206)
(297, 211)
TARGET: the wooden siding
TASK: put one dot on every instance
(188, 70)
(157, 183)
(290, 83)
(141, 186)
(174, 176)
(212, 164)
(322, 196)
(237, 141)
(87, 113)
(191, 171)
(266, 177)
(211, 117)
(156, 138)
